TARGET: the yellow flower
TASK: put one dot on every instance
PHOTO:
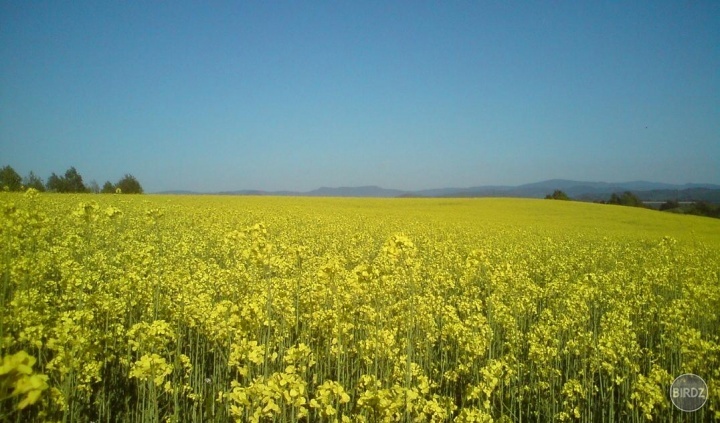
(16, 373)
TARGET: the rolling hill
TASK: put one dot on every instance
(580, 190)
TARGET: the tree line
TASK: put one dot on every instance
(71, 181)
(627, 198)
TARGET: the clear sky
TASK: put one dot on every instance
(212, 96)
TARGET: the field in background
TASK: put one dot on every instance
(175, 308)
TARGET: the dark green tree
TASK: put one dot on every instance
(56, 183)
(557, 195)
(630, 199)
(614, 199)
(129, 185)
(9, 179)
(108, 188)
(74, 181)
(34, 181)
(669, 205)
(626, 199)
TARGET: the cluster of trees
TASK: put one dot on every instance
(669, 205)
(698, 208)
(627, 198)
(71, 181)
(557, 195)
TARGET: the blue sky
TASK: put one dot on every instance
(212, 96)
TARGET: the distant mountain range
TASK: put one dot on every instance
(580, 190)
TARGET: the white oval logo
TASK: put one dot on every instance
(688, 392)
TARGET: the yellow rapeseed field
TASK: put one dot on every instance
(196, 309)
